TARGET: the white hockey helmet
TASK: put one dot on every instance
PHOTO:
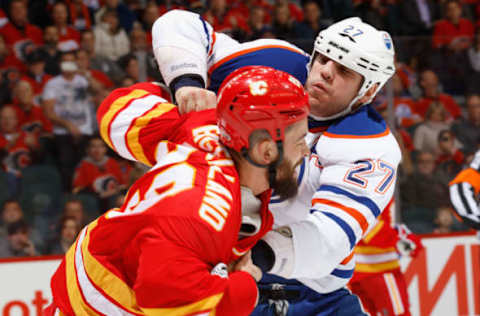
(361, 48)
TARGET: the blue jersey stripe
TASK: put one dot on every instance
(206, 32)
(346, 228)
(301, 172)
(360, 199)
(344, 274)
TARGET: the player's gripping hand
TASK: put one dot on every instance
(245, 264)
(194, 99)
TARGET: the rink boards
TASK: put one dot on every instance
(443, 280)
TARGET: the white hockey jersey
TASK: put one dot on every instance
(347, 180)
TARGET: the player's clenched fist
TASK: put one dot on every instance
(246, 264)
(195, 99)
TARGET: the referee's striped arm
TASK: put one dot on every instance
(464, 190)
(133, 120)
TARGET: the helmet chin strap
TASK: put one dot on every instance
(345, 111)
(272, 167)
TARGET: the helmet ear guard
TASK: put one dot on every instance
(361, 48)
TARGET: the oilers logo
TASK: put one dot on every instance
(387, 40)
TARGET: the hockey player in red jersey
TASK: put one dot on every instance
(378, 280)
(166, 250)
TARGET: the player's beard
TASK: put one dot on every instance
(286, 182)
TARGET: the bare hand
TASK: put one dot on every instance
(195, 99)
(76, 133)
(29, 248)
(246, 264)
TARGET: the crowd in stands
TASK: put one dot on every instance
(60, 59)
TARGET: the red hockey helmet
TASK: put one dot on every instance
(258, 97)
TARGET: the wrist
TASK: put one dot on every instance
(187, 80)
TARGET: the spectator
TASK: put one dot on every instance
(7, 59)
(18, 243)
(13, 212)
(97, 80)
(418, 17)
(426, 134)
(18, 147)
(372, 12)
(68, 106)
(474, 53)
(150, 15)
(453, 32)
(421, 193)
(474, 60)
(282, 23)
(468, 130)
(36, 75)
(111, 41)
(69, 229)
(74, 208)
(79, 15)
(431, 92)
(404, 141)
(452, 37)
(245, 9)
(443, 220)
(50, 47)
(256, 22)
(3, 18)
(98, 173)
(226, 21)
(130, 64)
(127, 81)
(31, 116)
(21, 36)
(405, 112)
(450, 158)
(312, 24)
(98, 62)
(68, 37)
(295, 12)
(139, 48)
(125, 16)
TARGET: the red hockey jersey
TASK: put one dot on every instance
(377, 252)
(154, 256)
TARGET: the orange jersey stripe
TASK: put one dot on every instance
(348, 259)
(214, 38)
(385, 133)
(351, 211)
(246, 51)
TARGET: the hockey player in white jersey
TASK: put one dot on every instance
(349, 177)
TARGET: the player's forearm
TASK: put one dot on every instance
(181, 42)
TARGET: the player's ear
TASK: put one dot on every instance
(368, 94)
(264, 151)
